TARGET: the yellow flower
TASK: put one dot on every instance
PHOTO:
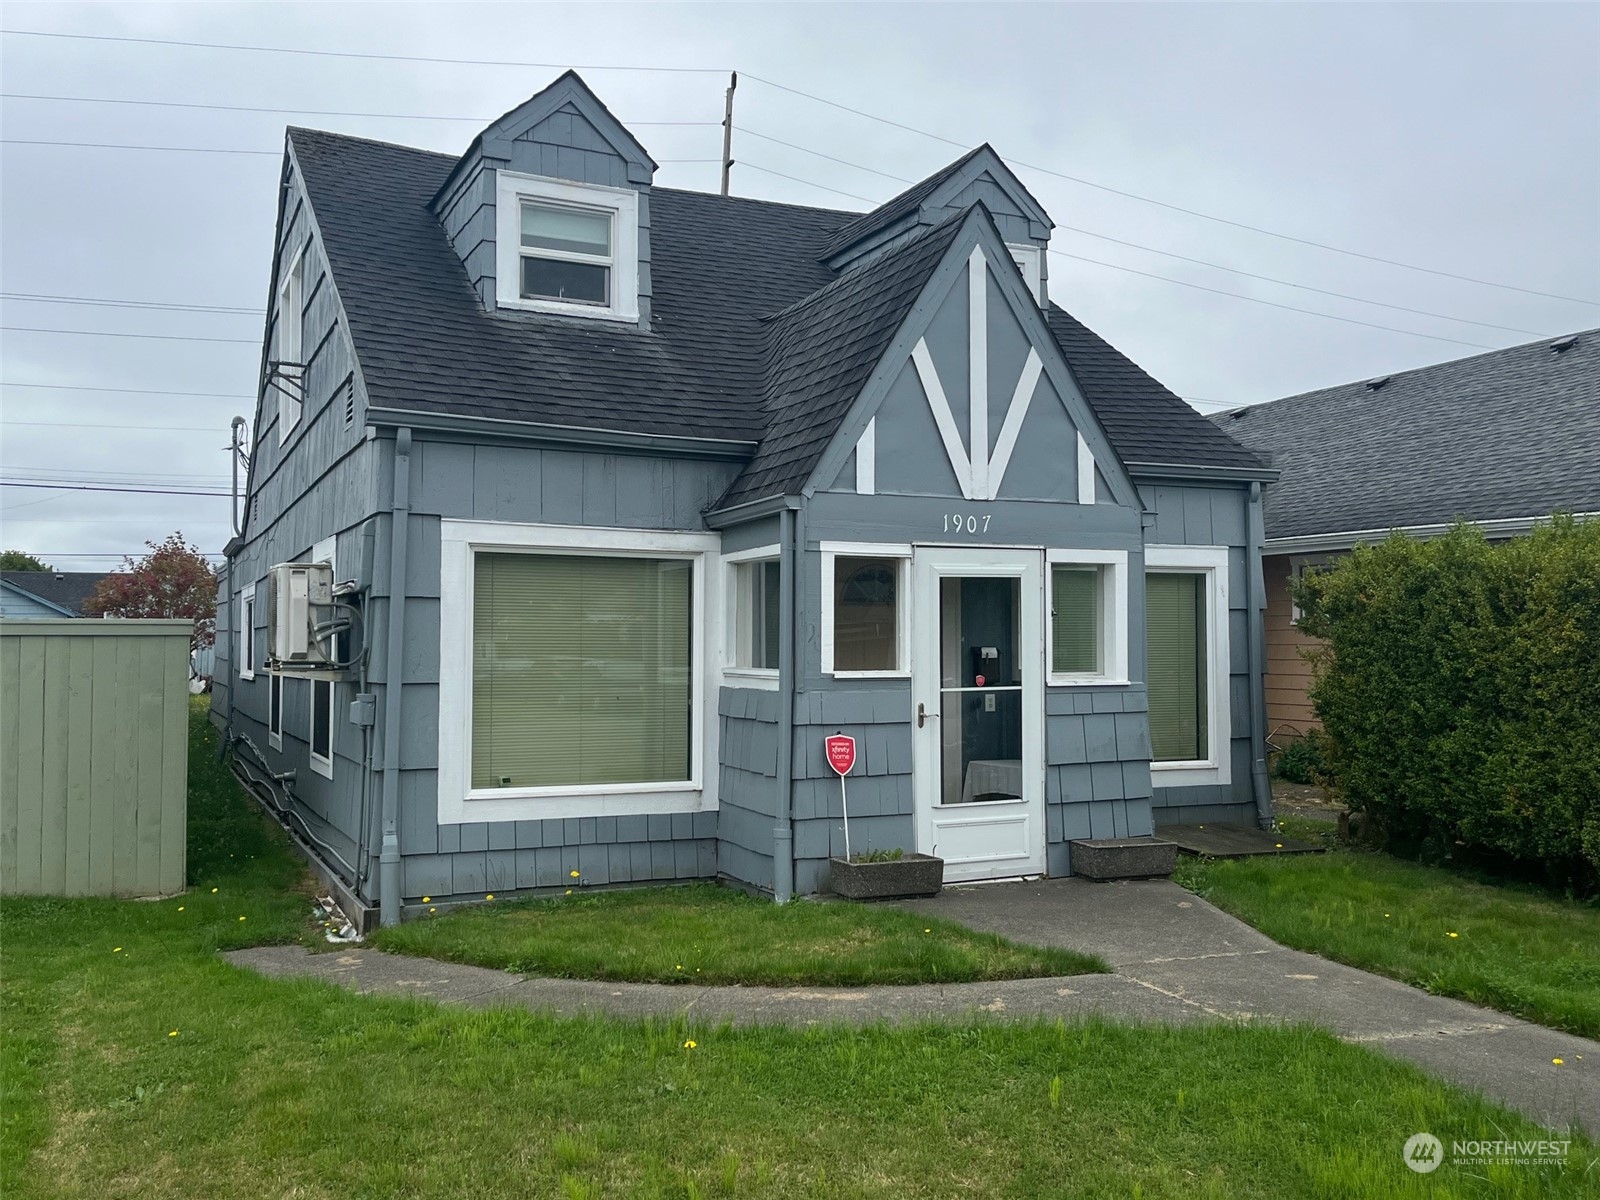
(425, 899)
(680, 966)
(116, 949)
(1280, 845)
(213, 891)
(574, 874)
(180, 908)
(927, 931)
(241, 918)
(1557, 1061)
(1385, 916)
(691, 1044)
(489, 896)
(1455, 935)
(433, 910)
(174, 1033)
(569, 891)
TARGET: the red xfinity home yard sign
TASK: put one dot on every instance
(841, 752)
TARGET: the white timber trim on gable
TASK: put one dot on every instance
(978, 371)
(867, 460)
(1085, 471)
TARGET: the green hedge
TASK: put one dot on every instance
(1459, 689)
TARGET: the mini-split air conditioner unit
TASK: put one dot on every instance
(299, 598)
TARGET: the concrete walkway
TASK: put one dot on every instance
(1177, 959)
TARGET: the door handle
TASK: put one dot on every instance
(924, 716)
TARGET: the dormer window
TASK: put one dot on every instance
(567, 247)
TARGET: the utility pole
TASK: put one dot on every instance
(727, 131)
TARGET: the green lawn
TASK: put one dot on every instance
(1513, 949)
(709, 934)
(138, 1064)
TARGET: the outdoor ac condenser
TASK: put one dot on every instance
(299, 595)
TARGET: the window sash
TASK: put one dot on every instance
(322, 721)
(1178, 638)
(757, 599)
(247, 635)
(867, 612)
(275, 710)
(1077, 619)
(582, 670)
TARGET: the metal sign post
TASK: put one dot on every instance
(841, 750)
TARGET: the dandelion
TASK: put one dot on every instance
(241, 918)
(569, 891)
(116, 949)
(691, 1044)
(489, 896)
(180, 908)
(680, 966)
(927, 931)
(1558, 1061)
(1453, 934)
(213, 891)
(1385, 916)
(574, 874)
(426, 899)
(1280, 845)
(433, 910)
(174, 1033)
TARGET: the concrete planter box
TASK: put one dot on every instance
(910, 875)
(1123, 858)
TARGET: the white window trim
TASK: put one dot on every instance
(247, 632)
(1212, 562)
(1031, 267)
(831, 552)
(324, 551)
(1113, 617)
(291, 320)
(512, 188)
(275, 732)
(458, 802)
(762, 678)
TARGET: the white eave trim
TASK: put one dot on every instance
(1310, 543)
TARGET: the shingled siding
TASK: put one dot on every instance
(1187, 515)
(316, 483)
(1097, 767)
(748, 784)
(527, 484)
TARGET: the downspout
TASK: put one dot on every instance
(1256, 536)
(394, 659)
(783, 830)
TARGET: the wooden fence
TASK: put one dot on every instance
(94, 756)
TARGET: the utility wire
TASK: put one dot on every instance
(1193, 212)
(86, 487)
(1153, 250)
(84, 387)
(412, 58)
(160, 337)
(745, 162)
(297, 112)
(221, 149)
(5, 421)
(106, 302)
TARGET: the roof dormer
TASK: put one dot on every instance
(549, 209)
(979, 176)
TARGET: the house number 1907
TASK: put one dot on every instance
(965, 523)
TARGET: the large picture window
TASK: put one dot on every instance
(581, 670)
(1186, 622)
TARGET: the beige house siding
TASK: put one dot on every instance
(94, 756)
(1288, 674)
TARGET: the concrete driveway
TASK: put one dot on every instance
(1168, 940)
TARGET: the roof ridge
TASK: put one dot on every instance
(872, 266)
(291, 130)
(843, 212)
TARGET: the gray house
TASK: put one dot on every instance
(640, 493)
(25, 594)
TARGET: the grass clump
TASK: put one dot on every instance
(705, 934)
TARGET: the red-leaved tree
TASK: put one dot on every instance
(173, 580)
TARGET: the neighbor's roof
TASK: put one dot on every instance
(1509, 434)
(69, 590)
(721, 269)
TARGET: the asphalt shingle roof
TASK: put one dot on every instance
(717, 356)
(1511, 433)
(896, 207)
(68, 589)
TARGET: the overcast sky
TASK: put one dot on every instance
(1457, 138)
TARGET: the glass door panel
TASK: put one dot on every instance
(980, 690)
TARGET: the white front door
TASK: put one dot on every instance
(977, 679)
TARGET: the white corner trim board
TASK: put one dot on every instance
(458, 802)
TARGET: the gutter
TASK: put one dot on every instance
(735, 449)
(1260, 787)
(394, 660)
(1311, 543)
(750, 510)
(783, 802)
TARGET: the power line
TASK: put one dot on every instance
(84, 387)
(221, 149)
(1193, 212)
(86, 487)
(412, 58)
(1154, 250)
(137, 554)
(159, 337)
(106, 302)
(296, 112)
(745, 162)
(217, 429)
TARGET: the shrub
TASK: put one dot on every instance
(1303, 760)
(1459, 691)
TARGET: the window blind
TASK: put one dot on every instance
(581, 670)
(1175, 607)
(1075, 619)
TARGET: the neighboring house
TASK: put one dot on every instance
(639, 493)
(46, 593)
(1502, 439)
